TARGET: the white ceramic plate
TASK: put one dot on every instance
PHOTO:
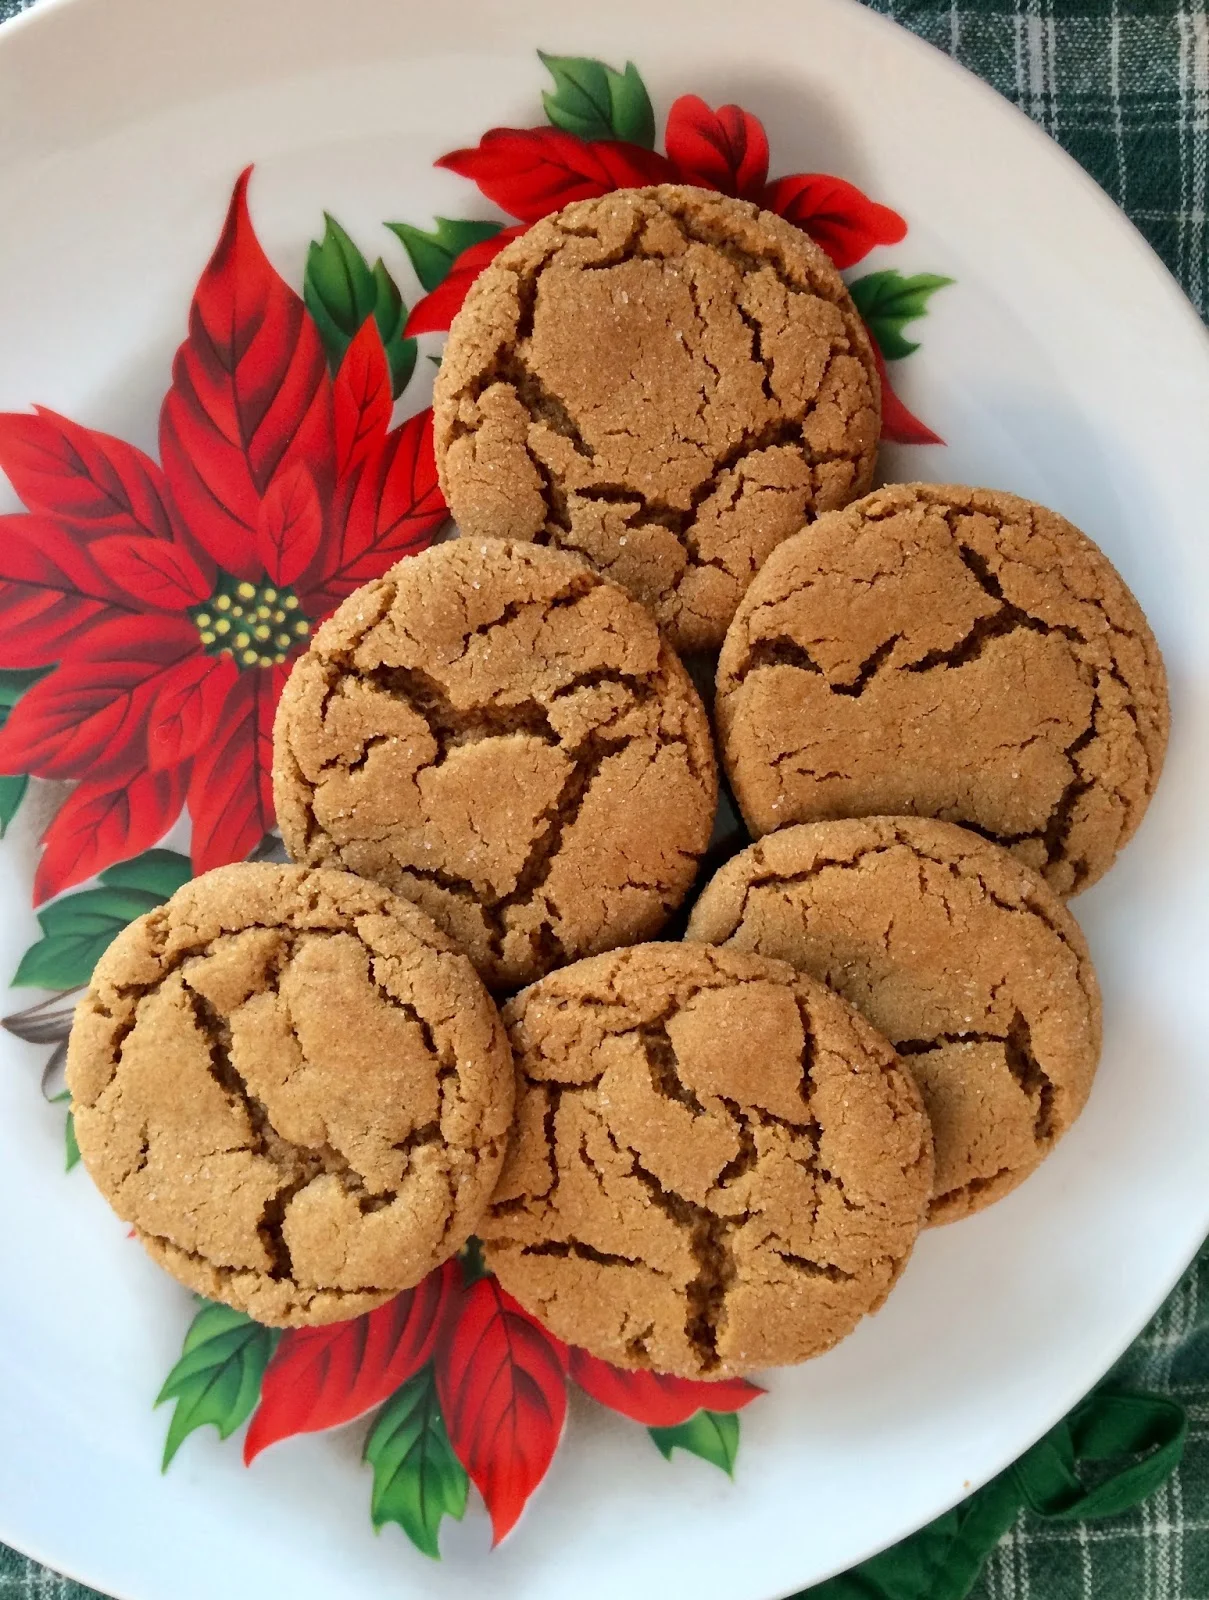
(1062, 363)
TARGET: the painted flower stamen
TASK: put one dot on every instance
(255, 624)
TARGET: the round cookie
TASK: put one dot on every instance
(716, 1165)
(501, 735)
(295, 1089)
(947, 652)
(973, 969)
(666, 380)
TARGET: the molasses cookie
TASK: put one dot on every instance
(669, 382)
(295, 1089)
(717, 1165)
(947, 652)
(501, 735)
(956, 951)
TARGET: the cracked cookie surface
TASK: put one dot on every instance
(716, 1164)
(953, 949)
(949, 652)
(665, 380)
(294, 1088)
(501, 735)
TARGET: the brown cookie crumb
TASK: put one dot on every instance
(295, 1089)
(955, 950)
(716, 1165)
(669, 382)
(501, 735)
(948, 652)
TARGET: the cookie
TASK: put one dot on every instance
(947, 652)
(716, 1166)
(959, 953)
(669, 382)
(498, 733)
(295, 1089)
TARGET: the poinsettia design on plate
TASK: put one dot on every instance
(169, 600)
(149, 613)
(602, 137)
(467, 1388)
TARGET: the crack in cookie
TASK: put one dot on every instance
(953, 949)
(716, 1165)
(950, 652)
(295, 1089)
(712, 327)
(502, 736)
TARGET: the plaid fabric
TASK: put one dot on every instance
(1161, 1550)
(1123, 85)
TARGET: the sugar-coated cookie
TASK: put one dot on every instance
(501, 735)
(717, 1165)
(955, 950)
(948, 652)
(295, 1089)
(669, 382)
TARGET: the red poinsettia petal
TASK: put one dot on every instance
(91, 482)
(433, 313)
(250, 396)
(154, 572)
(653, 1398)
(101, 822)
(393, 508)
(533, 171)
(725, 149)
(899, 425)
(51, 591)
(501, 1381)
(230, 792)
(290, 529)
(321, 1377)
(88, 718)
(187, 707)
(362, 399)
(835, 214)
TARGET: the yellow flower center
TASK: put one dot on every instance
(258, 625)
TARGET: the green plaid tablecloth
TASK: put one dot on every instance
(1124, 86)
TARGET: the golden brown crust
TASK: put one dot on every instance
(716, 1164)
(294, 1087)
(501, 735)
(949, 652)
(665, 380)
(955, 950)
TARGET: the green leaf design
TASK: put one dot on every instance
(470, 1259)
(341, 290)
(712, 1435)
(417, 1478)
(70, 1145)
(15, 681)
(78, 928)
(217, 1379)
(157, 872)
(887, 301)
(13, 684)
(633, 114)
(432, 254)
(597, 102)
(391, 316)
(12, 792)
(69, 1133)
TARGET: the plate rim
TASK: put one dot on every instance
(890, 34)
